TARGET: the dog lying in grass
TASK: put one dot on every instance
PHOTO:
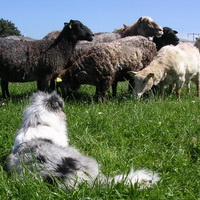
(41, 145)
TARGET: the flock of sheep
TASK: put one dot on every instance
(102, 60)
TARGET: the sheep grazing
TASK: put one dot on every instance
(40, 60)
(105, 64)
(168, 37)
(174, 65)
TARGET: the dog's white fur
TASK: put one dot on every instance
(38, 122)
(42, 139)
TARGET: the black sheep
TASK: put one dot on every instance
(168, 37)
(40, 60)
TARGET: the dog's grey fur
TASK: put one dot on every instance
(36, 150)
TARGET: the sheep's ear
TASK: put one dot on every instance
(140, 20)
(132, 73)
(150, 75)
(175, 32)
(69, 24)
(124, 25)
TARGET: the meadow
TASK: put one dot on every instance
(160, 134)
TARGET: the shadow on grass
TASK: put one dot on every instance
(16, 98)
(84, 97)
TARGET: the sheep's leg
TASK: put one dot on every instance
(97, 94)
(171, 88)
(161, 89)
(104, 95)
(178, 93)
(65, 92)
(197, 80)
(114, 89)
(131, 85)
(188, 87)
(198, 90)
(4, 89)
(102, 90)
(52, 86)
(179, 85)
(155, 90)
(187, 83)
(44, 84)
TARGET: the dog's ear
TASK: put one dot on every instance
(37, 96)
(54, 102)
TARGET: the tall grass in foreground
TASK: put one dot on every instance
(158, 134)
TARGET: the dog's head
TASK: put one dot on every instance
(44, 109)
(51, 102)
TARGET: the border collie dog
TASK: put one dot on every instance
(41, 145)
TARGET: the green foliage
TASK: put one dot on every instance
(160, 134)
(8, 28)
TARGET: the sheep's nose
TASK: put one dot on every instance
(138, 95)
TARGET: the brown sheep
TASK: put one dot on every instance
(105, 64)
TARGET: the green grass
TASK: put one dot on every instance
(161, 134)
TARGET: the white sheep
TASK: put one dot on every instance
(173, 65)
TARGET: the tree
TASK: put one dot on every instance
(8, 28)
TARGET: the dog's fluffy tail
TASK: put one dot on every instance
(144, 178)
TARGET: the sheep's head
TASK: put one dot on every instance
(148, 27)
(143, 82)
(78, 31)
(69, 81)
(197, 43)
(168, 37)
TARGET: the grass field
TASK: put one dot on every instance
(158, 134)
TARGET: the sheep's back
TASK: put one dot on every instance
(114, 59)
(18, 58)
(181, 59)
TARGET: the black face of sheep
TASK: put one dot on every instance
(79, 31)
(168, 37)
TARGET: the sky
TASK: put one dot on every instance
(36, 18)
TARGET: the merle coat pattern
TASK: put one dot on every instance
(41, 145)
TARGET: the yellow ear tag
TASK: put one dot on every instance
(70, 26)
(58, 79)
